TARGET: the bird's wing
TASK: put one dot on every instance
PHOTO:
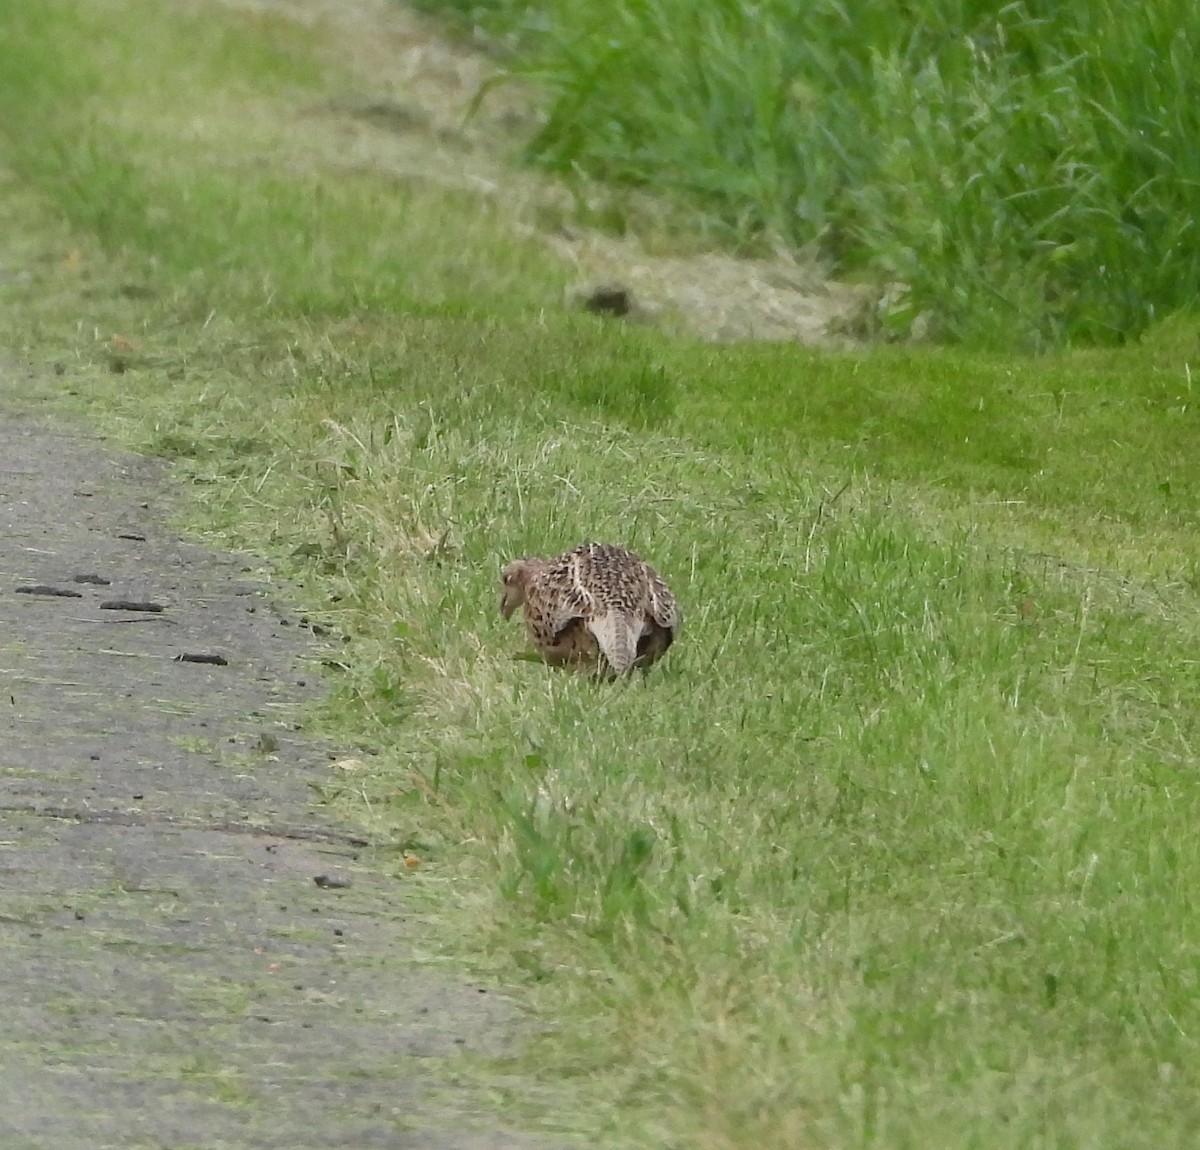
(664, 609)
(552, 603)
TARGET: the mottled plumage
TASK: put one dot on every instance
(598, 606)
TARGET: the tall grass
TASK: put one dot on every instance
(1027, 170)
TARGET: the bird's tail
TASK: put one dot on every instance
(617, 636)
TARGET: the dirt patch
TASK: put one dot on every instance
(171, 973)
(409, 115)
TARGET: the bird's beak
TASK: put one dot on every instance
(508, 604)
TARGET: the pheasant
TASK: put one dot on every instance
(596, 606)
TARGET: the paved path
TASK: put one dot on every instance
(170, 974)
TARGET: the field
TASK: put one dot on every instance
(897, 847)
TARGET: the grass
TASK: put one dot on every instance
(1024, 169)
(897, 846)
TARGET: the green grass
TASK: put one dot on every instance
(238, 219)
(896, 848)
(1025, 169)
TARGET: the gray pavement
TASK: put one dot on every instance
(170, 974)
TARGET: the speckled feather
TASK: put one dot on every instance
(595, 601)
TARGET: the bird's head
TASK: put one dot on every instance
(513, 579)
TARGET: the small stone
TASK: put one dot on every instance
(609, 299)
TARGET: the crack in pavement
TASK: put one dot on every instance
(169, 973)
(133, 819)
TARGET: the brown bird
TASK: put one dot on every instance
(596, 606)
